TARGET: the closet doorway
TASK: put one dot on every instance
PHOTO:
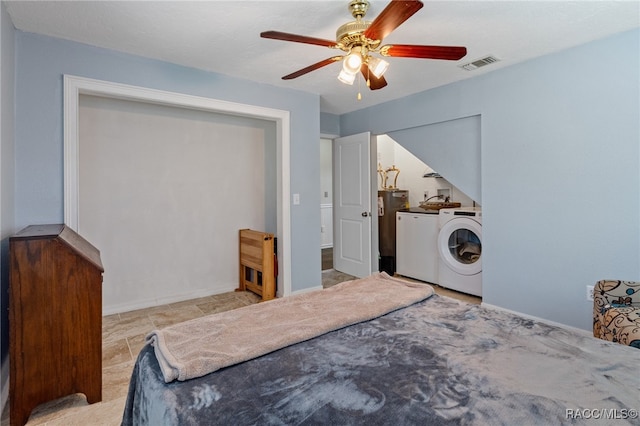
(177, 198)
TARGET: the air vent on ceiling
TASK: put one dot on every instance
(487, 60)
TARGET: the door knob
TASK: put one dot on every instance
(365, 214)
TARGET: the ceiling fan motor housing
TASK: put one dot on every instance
(350, 33)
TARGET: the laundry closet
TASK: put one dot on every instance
(414, 204)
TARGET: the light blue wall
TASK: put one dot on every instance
(329, 124)
(560, 158)
(7, 183)
(41, 63)
(560, 161)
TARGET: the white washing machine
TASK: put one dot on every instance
(460, 249)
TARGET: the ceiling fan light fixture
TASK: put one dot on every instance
(359, 39)
(347, 77)
(377, 66)
(352, 63)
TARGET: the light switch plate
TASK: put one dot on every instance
(296, 199)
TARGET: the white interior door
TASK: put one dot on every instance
(352, 244)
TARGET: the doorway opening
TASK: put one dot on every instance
(75, 86)
(326, 203)
(330, 276)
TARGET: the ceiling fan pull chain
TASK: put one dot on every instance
(368, 77)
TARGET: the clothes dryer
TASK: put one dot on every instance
(460, 249)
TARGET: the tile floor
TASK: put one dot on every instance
(123, 337)
(326, 258)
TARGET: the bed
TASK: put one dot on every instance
(433, 361)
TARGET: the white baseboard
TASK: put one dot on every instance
(4, 377)
(307, 290)
(157, 301)
(542, 320)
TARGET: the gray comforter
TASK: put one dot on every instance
(437, 362)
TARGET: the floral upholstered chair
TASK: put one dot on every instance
(616, 311)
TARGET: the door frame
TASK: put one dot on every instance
(75, 86)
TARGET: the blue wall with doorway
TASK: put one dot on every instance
(560, 171)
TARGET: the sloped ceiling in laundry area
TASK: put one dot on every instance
(451, 148)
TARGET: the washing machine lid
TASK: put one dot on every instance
(460, 246)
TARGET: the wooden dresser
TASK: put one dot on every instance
(55, 318)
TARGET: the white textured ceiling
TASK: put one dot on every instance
(223, 36)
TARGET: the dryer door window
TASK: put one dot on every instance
(460, 246)
(464, 246)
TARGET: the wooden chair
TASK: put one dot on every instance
(257, 263)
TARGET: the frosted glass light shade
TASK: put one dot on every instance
(377, 66)
(346, 77)
(352, 63)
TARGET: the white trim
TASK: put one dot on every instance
(4, 369)
(307, 290)
(542, 320)
(75, 86)
(328, 206)
(165, 300)
(328, 136)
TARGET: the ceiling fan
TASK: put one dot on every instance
(360, 39)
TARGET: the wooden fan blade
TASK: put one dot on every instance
(392, 17)
(277, 35)
(313, 67)
(375, 83)
(452, 53)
